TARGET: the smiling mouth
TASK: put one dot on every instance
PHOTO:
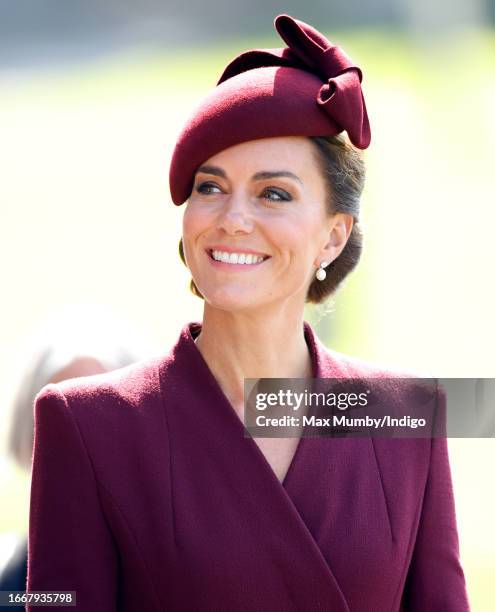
(238, 258)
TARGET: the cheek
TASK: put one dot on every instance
(191, 221)
(189, 231)
(296, 237)
(195, 222)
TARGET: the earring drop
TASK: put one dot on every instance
(320, 273)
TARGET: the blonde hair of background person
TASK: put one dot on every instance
(68, 334)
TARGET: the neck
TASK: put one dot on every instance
(246, 345)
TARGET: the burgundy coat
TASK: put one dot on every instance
(146, 496)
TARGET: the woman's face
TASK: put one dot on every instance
(256, 225)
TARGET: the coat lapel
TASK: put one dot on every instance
(291, 536)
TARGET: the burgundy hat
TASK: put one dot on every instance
(310, 88)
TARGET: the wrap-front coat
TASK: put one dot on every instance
(147, 496)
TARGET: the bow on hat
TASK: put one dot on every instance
(340, 95)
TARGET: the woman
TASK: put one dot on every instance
(146, 494)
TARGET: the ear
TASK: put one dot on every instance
(339, 230)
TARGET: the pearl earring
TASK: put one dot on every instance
(320, 273)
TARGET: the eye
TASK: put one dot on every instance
(280, 195)
(207, 187)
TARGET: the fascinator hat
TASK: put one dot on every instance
(309, 88)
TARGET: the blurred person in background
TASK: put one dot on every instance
(76, 341)
(146, 492)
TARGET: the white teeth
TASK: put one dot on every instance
(236, 258)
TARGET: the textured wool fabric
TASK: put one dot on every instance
(309, 88)
(146, 496)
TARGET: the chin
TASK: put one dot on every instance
(232, 299)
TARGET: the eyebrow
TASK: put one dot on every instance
(259, 176)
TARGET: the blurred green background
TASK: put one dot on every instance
(86, 216)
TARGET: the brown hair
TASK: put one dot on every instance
(343, 168)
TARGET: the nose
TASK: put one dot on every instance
(236, 215)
